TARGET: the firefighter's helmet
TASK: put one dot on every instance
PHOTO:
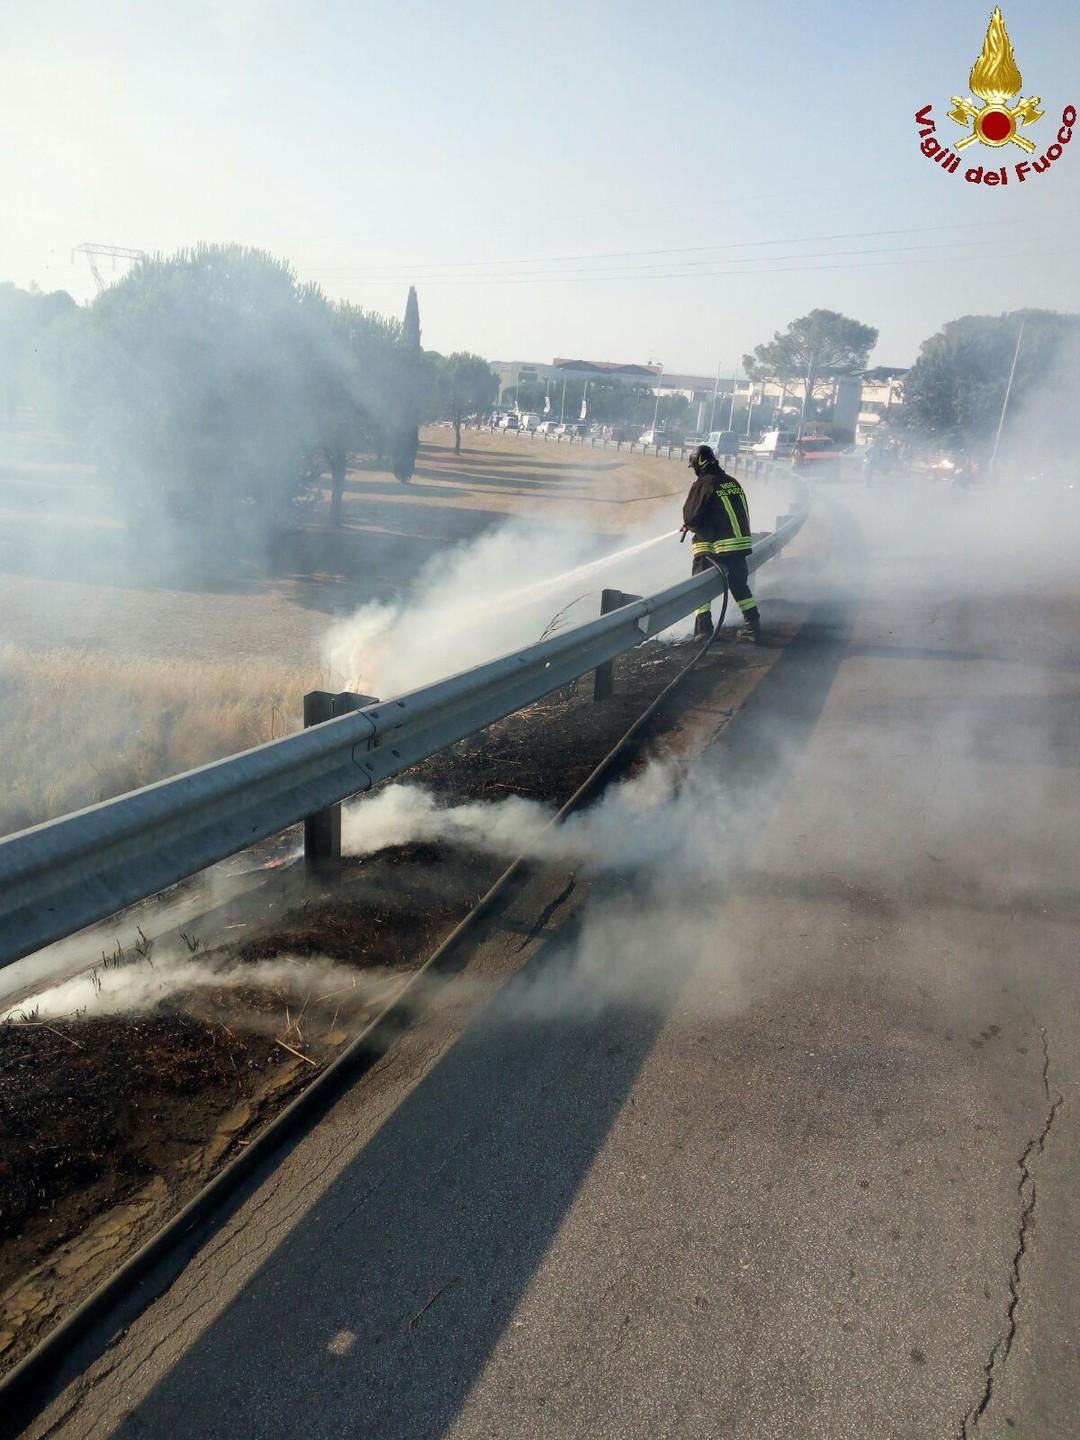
(703, 458)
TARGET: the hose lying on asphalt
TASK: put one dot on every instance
(39, 1375)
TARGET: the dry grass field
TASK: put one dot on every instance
(77, 727)
(115, 670)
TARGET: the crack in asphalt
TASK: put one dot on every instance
(999, 1352)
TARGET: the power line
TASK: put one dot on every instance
(470, 282)
(669, 250)
(634, 271)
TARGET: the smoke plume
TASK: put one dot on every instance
(497, 593)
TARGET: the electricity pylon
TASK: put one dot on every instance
(94, 252)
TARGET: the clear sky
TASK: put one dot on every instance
(608, 178)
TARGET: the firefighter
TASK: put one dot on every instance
(716, 512)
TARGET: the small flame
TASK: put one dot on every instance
(994, 76)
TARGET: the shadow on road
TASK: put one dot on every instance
(376, 1313)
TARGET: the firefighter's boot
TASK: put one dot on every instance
(703, 626)
(752, 630)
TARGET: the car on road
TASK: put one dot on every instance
(775, 443)
(880, 462)
(508, 422)
(660, 438)
(529, 421)
(816, 455)
(547, 427)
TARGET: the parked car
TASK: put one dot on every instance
(723, 442)
(508, 422)
(660, 437)
(529, 421)
(547, 427)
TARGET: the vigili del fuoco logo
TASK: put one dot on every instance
(998, 122)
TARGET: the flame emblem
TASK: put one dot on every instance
(995, 80)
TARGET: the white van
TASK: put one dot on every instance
(723, 442)
(777, 443)
(528, 422)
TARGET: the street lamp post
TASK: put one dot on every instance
(716, 389)
(656, 407)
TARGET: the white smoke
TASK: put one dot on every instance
(140, 986)
(509, 586)
(494, 594)
(636, 822)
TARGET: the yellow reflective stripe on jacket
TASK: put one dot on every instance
(722, 547)
(736, 530)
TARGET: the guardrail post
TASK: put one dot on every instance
(322, 831)
(604, 675)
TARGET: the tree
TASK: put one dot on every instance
(465, 384)
(355, 397)
(818, 347)
(200, 374)
(25, 316)
(411, 377)
(955, 391)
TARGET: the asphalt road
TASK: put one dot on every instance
(776, 1139)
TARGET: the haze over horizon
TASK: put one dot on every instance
(606, 181)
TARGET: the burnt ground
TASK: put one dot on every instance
(109, 1125)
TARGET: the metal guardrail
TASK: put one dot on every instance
(68, 873)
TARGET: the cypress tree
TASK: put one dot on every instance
(407, 440)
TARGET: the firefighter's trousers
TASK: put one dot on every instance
(734, 563)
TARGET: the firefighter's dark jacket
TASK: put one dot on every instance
(717, 513)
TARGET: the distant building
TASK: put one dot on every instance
(512, 373)
(627, 374)
(882, 392)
